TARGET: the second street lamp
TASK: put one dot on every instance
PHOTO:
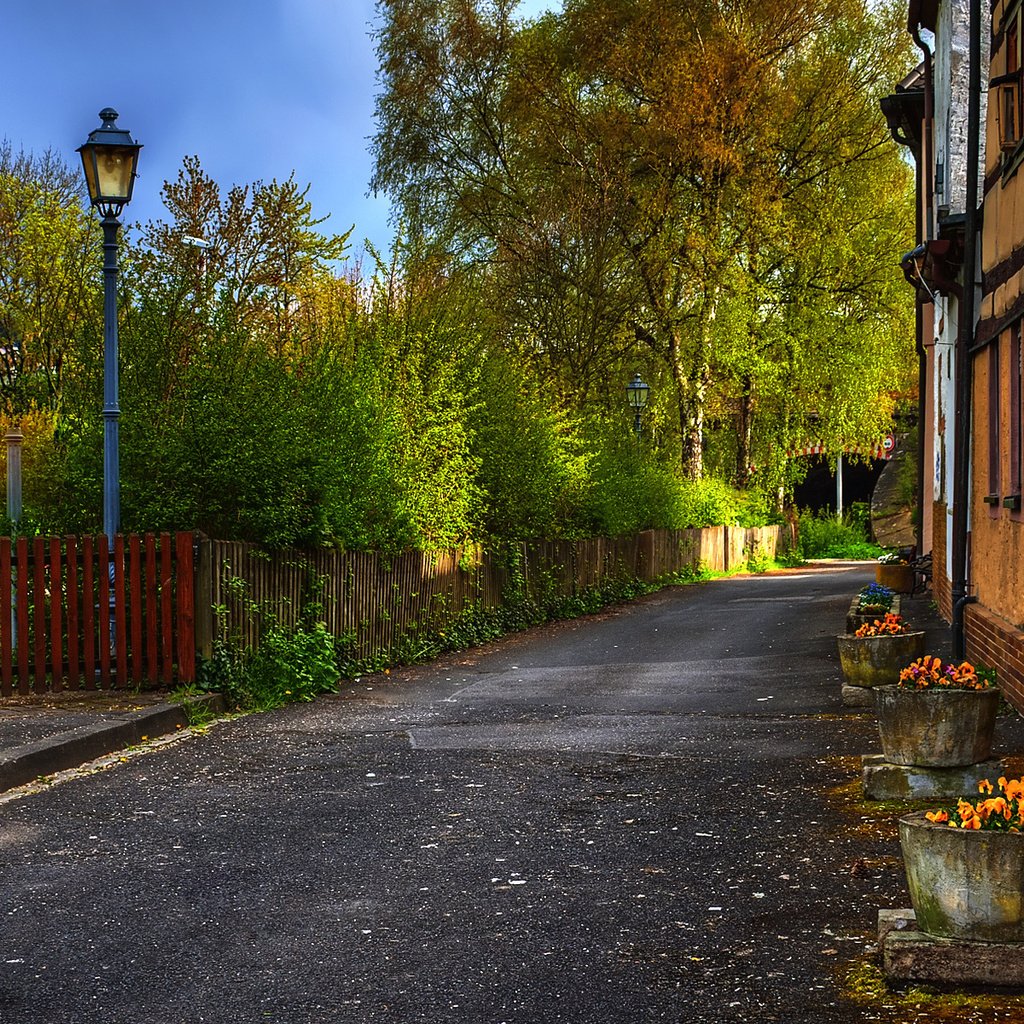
(637, 393)
(110, 157)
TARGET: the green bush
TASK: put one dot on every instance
(707, 502)
(826, 536)
(625, 497)
(532, 470)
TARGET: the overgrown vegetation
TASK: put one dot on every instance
(824, 535)
(290, 663)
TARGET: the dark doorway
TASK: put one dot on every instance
(818, 490)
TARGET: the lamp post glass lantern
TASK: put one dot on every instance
(637, 393)
(110, 157)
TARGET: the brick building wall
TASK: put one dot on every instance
(997, 644)
(942, 589)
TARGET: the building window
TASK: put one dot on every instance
(1012, 499)
(1009, 103)
(1008, 85)
(994, 493)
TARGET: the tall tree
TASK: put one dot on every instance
(623, 167)
(49, 257)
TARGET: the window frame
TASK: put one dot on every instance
(993, 497)
(1012, 500)
(1009, 89)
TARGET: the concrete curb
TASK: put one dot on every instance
(77, 746)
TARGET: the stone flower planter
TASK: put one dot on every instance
(964, 884)
(877, 660)
(935, 727)
(896, 577)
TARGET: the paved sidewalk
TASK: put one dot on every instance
(41, 734)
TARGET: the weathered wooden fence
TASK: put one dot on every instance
(376, 600)
(366, 596)
(80, 614)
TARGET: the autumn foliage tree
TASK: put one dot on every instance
(671, 184)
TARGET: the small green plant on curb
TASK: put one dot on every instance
(690, 574)
(758, 561)
(198, 712)
(789, 559)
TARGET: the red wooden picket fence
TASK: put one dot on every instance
(79, 615)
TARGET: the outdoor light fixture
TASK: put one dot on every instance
(109, 158)
(637, 393)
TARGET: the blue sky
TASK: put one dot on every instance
(256, 88)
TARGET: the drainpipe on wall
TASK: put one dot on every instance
(964, 343)
(922, 387)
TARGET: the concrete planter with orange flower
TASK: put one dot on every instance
(936, 727)
(877, 660)
(964, 884)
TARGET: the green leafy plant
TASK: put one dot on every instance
(758, 560)
(289, 663)
(198, 712)
(825, 536)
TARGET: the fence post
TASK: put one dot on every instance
(185, 618)
(204, 596)
(645, 556)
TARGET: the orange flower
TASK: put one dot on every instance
(929, 671)
(891, 625)
(1000, 813)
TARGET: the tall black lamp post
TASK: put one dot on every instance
(109, 158)
(637, 393)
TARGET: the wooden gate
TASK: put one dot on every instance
(80, 615)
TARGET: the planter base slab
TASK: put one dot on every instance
(912, 955)
(885, 781)
(857, 697)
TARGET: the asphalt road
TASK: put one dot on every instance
(647, 815)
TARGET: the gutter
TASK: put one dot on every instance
(922, 381)
(922, 230)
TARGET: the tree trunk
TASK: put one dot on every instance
(692, 382)
(744, 431)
